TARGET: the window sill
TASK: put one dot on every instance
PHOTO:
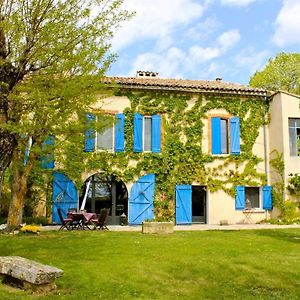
(255, 210)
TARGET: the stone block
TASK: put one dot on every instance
(28, 274)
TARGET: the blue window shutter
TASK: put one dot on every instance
(240, 197)
(47, 160)
(216, 135)
(183, 204)
(119, 133)
(267, 197)
(27, 150)
(156, 133)
(235, 147)
(89, 143)
(137, 133)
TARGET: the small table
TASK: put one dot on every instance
(81, 220)
(247, 213)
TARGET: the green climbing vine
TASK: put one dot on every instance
(182, 160)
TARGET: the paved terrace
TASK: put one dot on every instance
(195, 227)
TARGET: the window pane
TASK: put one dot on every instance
(252, 197)
(294, 136)
(105, 139)
(147, 133)
(224, 136)
(293, 142)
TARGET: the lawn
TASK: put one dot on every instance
(262, 264)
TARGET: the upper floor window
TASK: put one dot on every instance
(105, 139)
(147, 133)
(112, 138)
(294, 133)
(225, 135)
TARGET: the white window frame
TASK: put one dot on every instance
(297, 141)
(147, 117)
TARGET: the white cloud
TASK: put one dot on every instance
(237, 2)
(173, 62)
(228, 39)
(251, 60)
(156, 19)
(287, 24)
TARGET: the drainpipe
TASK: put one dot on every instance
(266, 152)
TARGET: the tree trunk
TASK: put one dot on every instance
(20, 175)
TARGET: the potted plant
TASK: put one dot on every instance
(163, 221)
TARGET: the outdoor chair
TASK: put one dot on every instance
(65, 222)
(100, 223)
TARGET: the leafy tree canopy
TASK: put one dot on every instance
(280, 73)
(52, 54)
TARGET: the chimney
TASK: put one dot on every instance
(219, 79)
(146, 74)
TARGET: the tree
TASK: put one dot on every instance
(52, 54)
(280, 73)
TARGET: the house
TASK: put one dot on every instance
(200, 149)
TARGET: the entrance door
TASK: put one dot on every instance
(64, 196)
(141, 200)
(198, 204)
(190, 204)
(105, 192)
(183, 204)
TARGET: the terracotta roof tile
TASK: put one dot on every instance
(184, 85)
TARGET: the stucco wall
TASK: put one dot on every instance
(282, 108)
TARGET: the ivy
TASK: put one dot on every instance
(182, 160)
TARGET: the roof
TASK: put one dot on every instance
(285, 92)
(184, 85)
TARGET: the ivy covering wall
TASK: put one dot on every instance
(182, 160)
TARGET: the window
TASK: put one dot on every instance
(147, 133)
(225, 135)
(253, 197)
(294, 133)
(112, 139)
(105, 140)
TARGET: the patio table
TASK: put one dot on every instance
(82, 220)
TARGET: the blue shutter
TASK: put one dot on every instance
(267, 197)
(141, 200)
(47, 160)
(89, 144)
(235, 135)
(138, 133)
(216, 135)
(240, 197)
(119, 133)
(183, 204)
(27, 150)
(156, 133)
(64, 196)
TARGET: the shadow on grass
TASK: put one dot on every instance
(287, 236)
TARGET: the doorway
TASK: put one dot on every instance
(198, 204)
(105, 191)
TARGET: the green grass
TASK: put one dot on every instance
(262, 264)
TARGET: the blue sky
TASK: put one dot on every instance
(205, 39)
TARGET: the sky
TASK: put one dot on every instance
(205, 39)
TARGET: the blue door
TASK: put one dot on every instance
(141, 200)
(64, 196)
(183, 204)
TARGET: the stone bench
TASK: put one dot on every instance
(27, 274)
